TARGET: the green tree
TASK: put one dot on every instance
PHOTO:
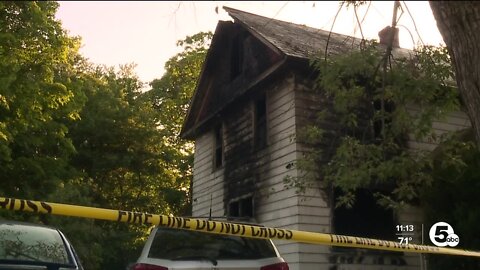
(119, 156)
(127, 146)
(117, 143)
(448, 177)
(170, 96)
(87, 237)
(360, 139)
(76, 133)
(36, 60)
(453, 196)
(38, 102)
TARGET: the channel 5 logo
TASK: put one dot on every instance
(442, 235)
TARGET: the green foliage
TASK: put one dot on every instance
(453, 196)
(128, 149)
(170, 97)
(72, 132)
(118, 147)
(35, 104)
(119, 158)
(172, 93)
(360, 138)
(86, 236)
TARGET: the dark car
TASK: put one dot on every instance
(168, 248)
(33, 246)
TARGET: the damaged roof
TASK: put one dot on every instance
(292, 41)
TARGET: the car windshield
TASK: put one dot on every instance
(175, 244)
(31, 244)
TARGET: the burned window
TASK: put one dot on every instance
(260, 123)
(365, 219)
(219, 155)
(236, 57)
(241, 207)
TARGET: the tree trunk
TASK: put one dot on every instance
(459, 24)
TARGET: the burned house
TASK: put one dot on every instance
(251, 99)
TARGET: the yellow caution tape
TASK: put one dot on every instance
(227, 228)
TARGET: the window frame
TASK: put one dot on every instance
(241, 202)
(218, 149)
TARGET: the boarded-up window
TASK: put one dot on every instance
(218, 159)
(260, 123)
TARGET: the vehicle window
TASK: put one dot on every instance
(76, 257)
(173, 244)
(28, 243)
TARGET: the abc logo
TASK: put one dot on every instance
(442, 235)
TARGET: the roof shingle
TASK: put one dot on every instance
(298, 40)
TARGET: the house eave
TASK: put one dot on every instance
(188, 118)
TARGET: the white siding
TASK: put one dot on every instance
(413, 215)
(279, 207)
(207, 183)
(312, 210)
(452, 122)
(283, 207)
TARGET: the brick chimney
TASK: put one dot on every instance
(385, 35)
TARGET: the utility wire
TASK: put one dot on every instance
(358, 22)
(366, 12)
(276, 14)
(331, 29)
(414, 24)
(409, 32)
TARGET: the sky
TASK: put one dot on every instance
(146, 32)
